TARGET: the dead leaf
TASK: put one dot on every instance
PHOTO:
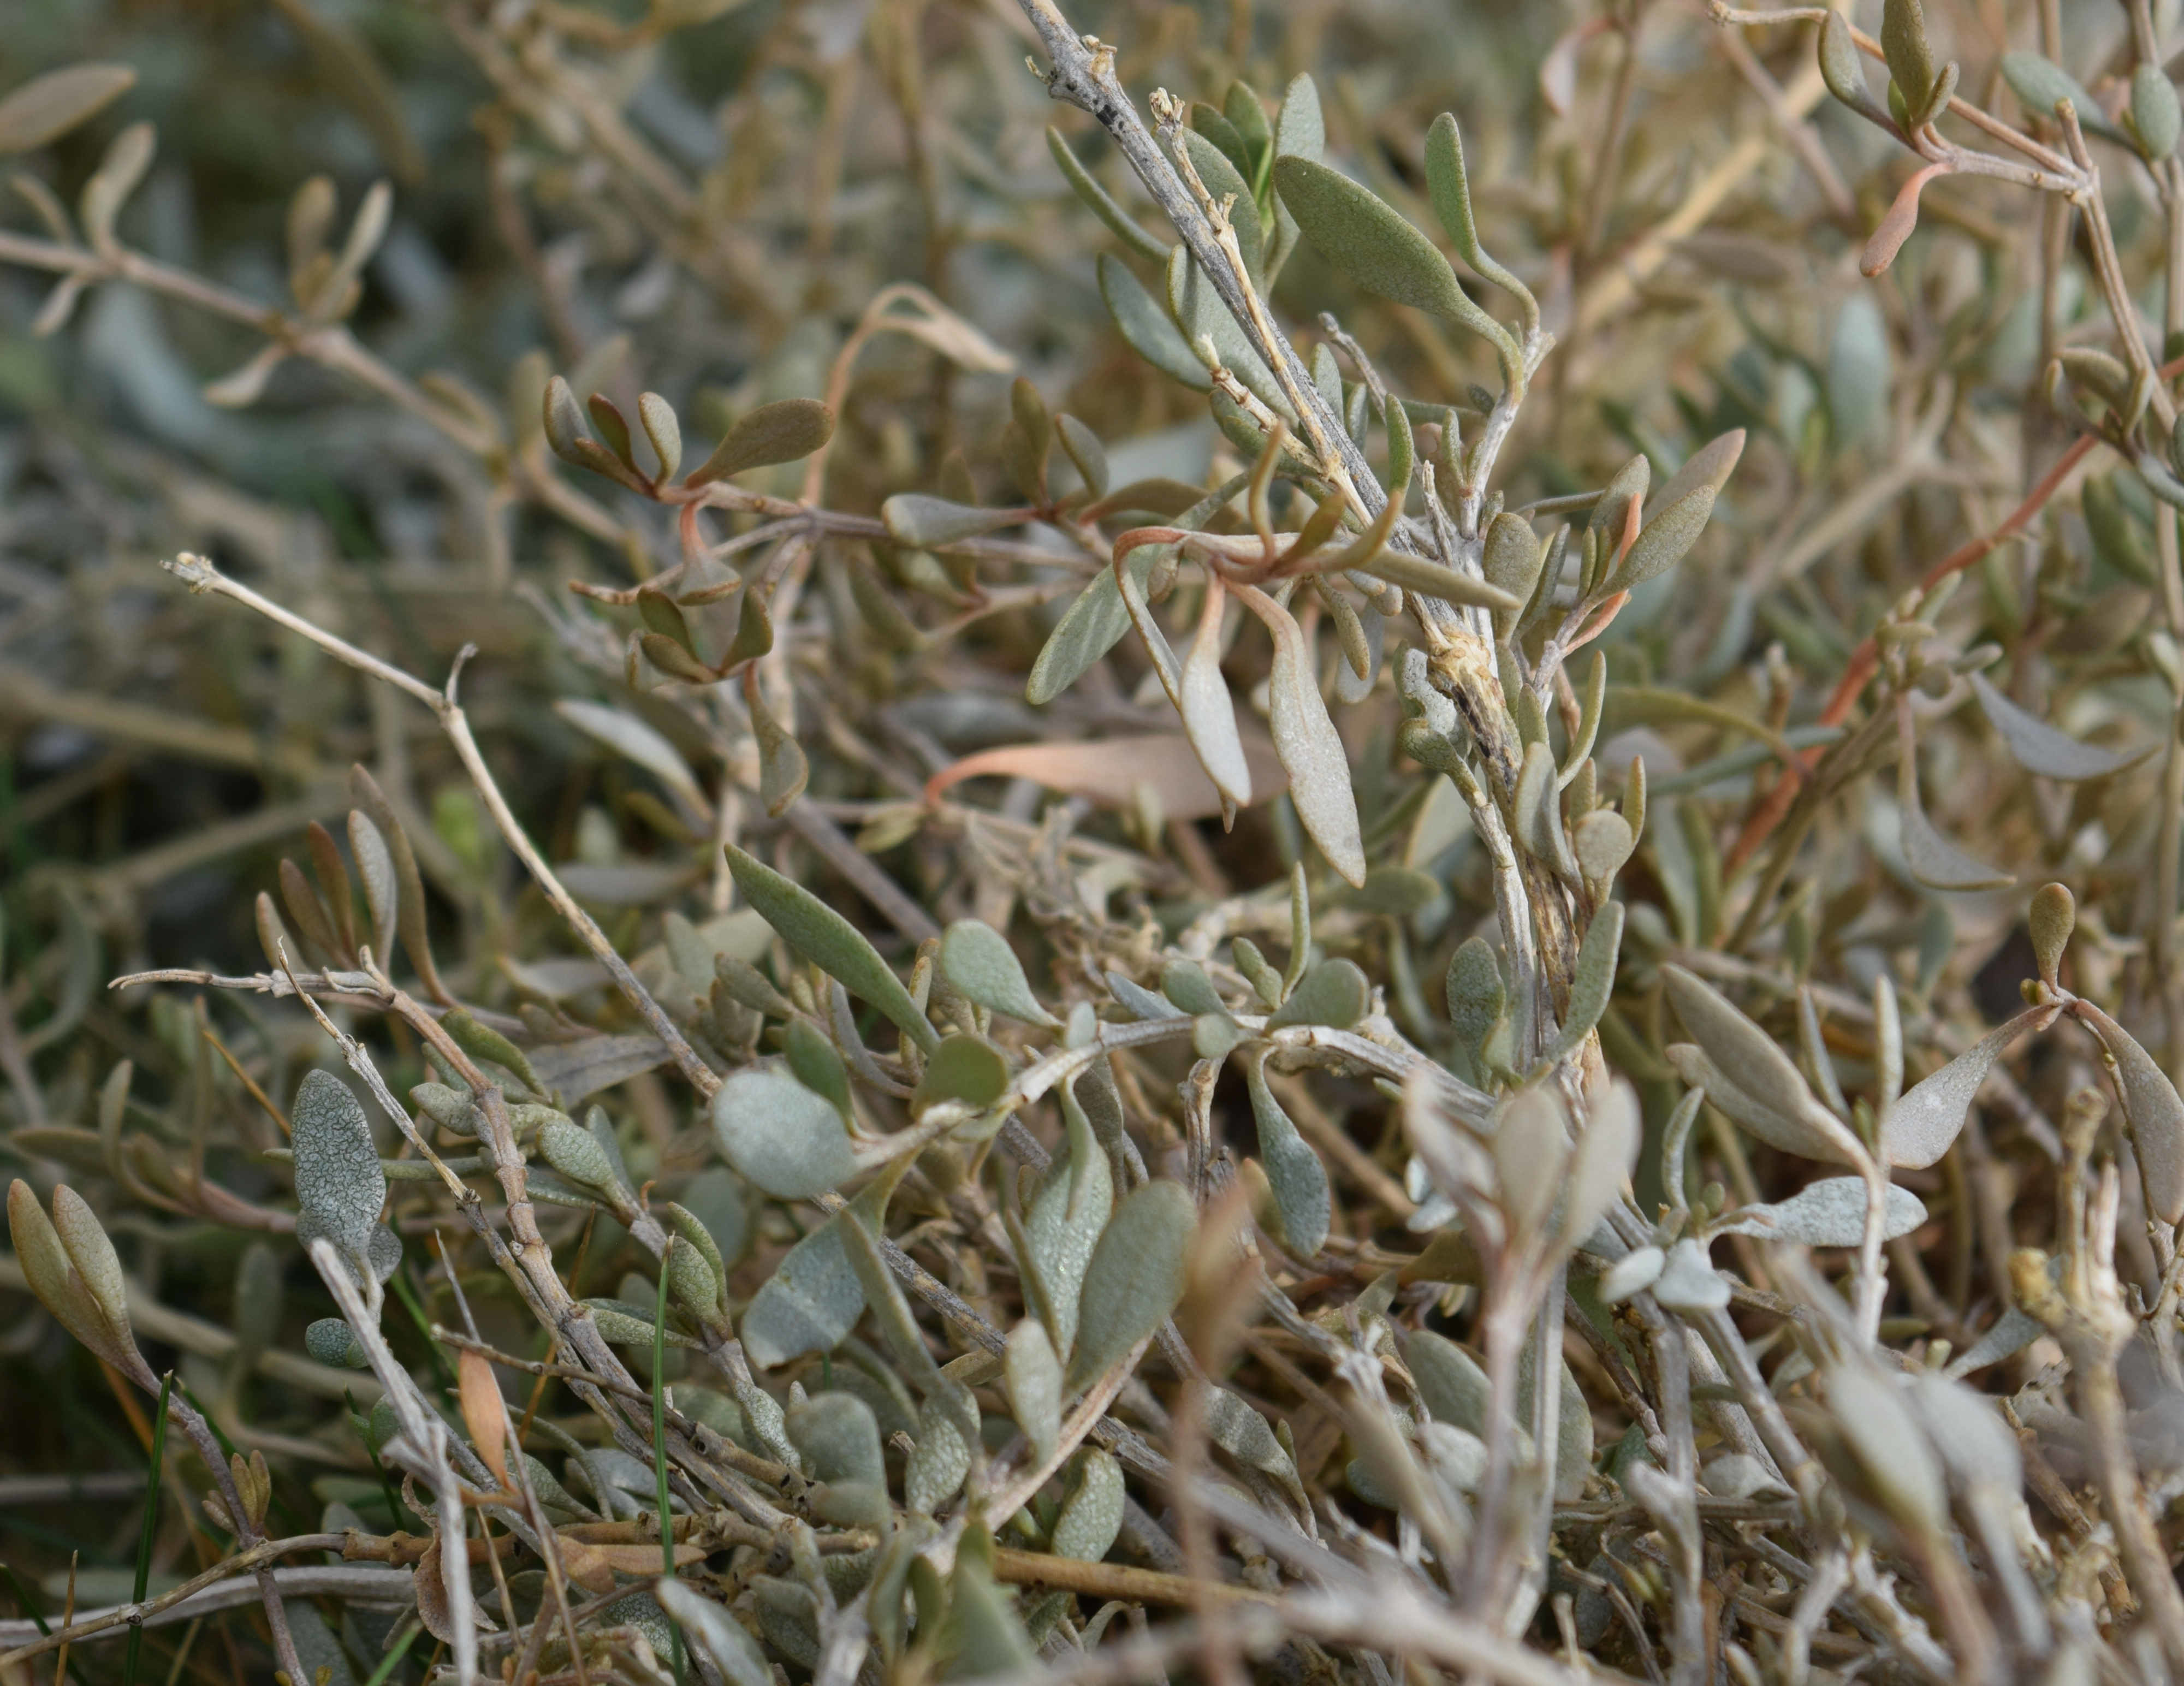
(1111, 771)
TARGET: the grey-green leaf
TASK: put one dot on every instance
(1299, 132)
(1594, 981)
(46, 107)
(1032, 1375)
(339, 1183)
(1918, 1130)
(2038, 747)
(780, 432)
(1477, 996)
(1302, 1197)
(917, 519)
(1134, 1279)
(1931, 858)
(1223, 181)
(1092, 1511)
(1063, 1226)
(1310, 748)
(1665, 540)
(1333, 992)
(1103, 206)
(1903, 43)
(331, 1341)
(813, 1298)
(1860, 368)
(1145, 326)
(781, 1135)
(724, 1642)
(1369, 241)
(830, 942)
(2151, 1104)
(978, 961)
(1829, 1213)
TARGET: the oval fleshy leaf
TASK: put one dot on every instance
(46, 107)
(780, 432)
(1032, 1375)
(1134, 1278)
(781, 1135)
(1311, 749)
(1920, 1128)
(339, 1183)
(1091, 1518)
(1830, 1213)
(830, 942)
(1367, 240)
(1208, 710)
(1302, 1197)
(978, 963)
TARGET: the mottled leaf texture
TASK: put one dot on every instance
(1920, 1128)
(830, 942)
(813, 1298)
(46, 107)
(339, 1184)
(2038, 747)
(2150, 1102)
(1829, 1213)
(717, 1636)
(1064, 1223)
(1302, 1197)
(1311, 749)
(331, 1341)
(1333, 992)
(1134, 1279)
(1032, 1375)
(780, 1136)
(1091, 1516)
(780, 432)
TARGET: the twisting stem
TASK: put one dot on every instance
(200, 576)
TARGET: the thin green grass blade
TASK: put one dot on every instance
(388, 1663)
